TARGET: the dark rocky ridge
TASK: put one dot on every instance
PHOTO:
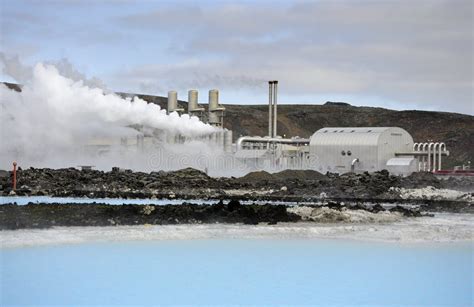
(49, 215)
(289, 185)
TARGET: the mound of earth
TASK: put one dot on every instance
(421, 179)
(256, 177)
(299, 174)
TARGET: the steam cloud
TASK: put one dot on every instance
(50, 120)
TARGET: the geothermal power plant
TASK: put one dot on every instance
(330, 149)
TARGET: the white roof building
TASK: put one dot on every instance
(359, 149)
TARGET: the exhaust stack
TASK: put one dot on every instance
(216, 111)
(272, 108)
(173, 103)
(193, 107)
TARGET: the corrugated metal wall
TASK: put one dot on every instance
(335, 148)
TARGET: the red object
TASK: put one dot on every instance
(14, 176)
(458, 172)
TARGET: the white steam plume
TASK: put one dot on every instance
(53, 116)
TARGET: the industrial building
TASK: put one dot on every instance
(330, 149)
(339, 149)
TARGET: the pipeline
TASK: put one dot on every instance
(353, 163)
(432, 151)
(266, 140)
(442, 147)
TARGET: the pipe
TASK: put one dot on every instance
(356, 160)
(424, 145)
(416, 148)
(14, 176)
(258, 139)
(270, 105)
(442, 147)
(436, 145)
(429, 156)
(275, 91)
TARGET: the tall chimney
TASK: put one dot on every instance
(275, 90)
(270, 108)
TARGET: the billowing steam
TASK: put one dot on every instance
(54, 119)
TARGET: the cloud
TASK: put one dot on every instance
(419, 52)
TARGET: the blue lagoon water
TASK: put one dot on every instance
(235, 271)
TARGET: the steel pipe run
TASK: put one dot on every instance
(424, 158)
(435, 146)
(258, 139)
(442, 147)
(430, 145)
(415, 148)
(434, 151)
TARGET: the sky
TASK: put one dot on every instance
(393, 54)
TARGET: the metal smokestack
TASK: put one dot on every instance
(275, 114)
(270, 108)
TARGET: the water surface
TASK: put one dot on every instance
(236, 271)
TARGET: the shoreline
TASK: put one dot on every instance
(412, 232)
(47, 215)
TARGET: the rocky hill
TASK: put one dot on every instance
(456, 130)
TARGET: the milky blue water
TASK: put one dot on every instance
(231, 271)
